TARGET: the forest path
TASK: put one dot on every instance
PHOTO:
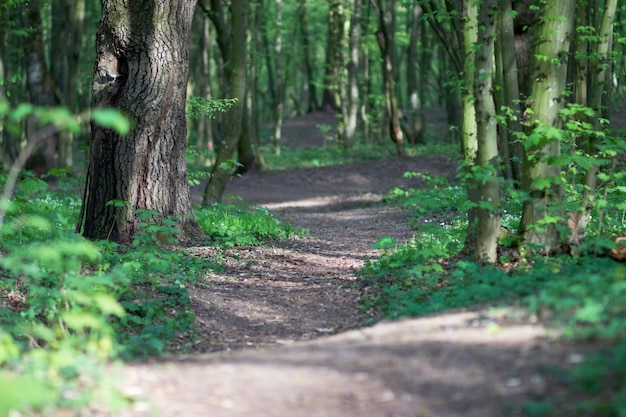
(281, 325)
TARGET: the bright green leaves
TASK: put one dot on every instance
(112, 119)
(204, 107)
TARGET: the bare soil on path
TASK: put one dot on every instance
(284, 333)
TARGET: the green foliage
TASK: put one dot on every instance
(205, 107)
(113, 119)
(581, 296)
(232, 225)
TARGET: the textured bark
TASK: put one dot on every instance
(385, 10)
(141, 68)
(549, 81)
(487, 137)
(221, 171)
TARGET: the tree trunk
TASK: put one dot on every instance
(541, 177)
(415, 125)
(40, 89)
(510, 90)
(279, 104)
(308, 59)
(222, 170)
(469, 127)
(602, 63)
(252, 102)
(351, 99)
(330, 95)
(364, 110)
(141, 68)
(487, 137)
(386, 12)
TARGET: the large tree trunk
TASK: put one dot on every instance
(541, 176)
(141, 68)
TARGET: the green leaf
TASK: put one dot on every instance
(113, 119)
(385, 242)
(21, 393)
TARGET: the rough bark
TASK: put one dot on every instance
(487, 137)
(141, 68)
(541, 176)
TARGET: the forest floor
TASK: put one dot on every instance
(283, 332)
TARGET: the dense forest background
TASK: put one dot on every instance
(527, 95)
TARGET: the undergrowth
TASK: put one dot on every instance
(580, 295)
(68, 306)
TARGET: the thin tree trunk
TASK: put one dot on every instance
(353, 102)
(598, 82)
(279, 104)
(40, 89)
(141, 68)
(364, 110)
(308, 59)
(415, 126)
(330, 95)
(469, 127)
(253, 88)
(541, 177)
(510, 90)
(222, 170)
(385, 10)
(487, 137)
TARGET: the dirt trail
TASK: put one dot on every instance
(283, 329)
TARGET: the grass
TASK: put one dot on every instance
(313, 157)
